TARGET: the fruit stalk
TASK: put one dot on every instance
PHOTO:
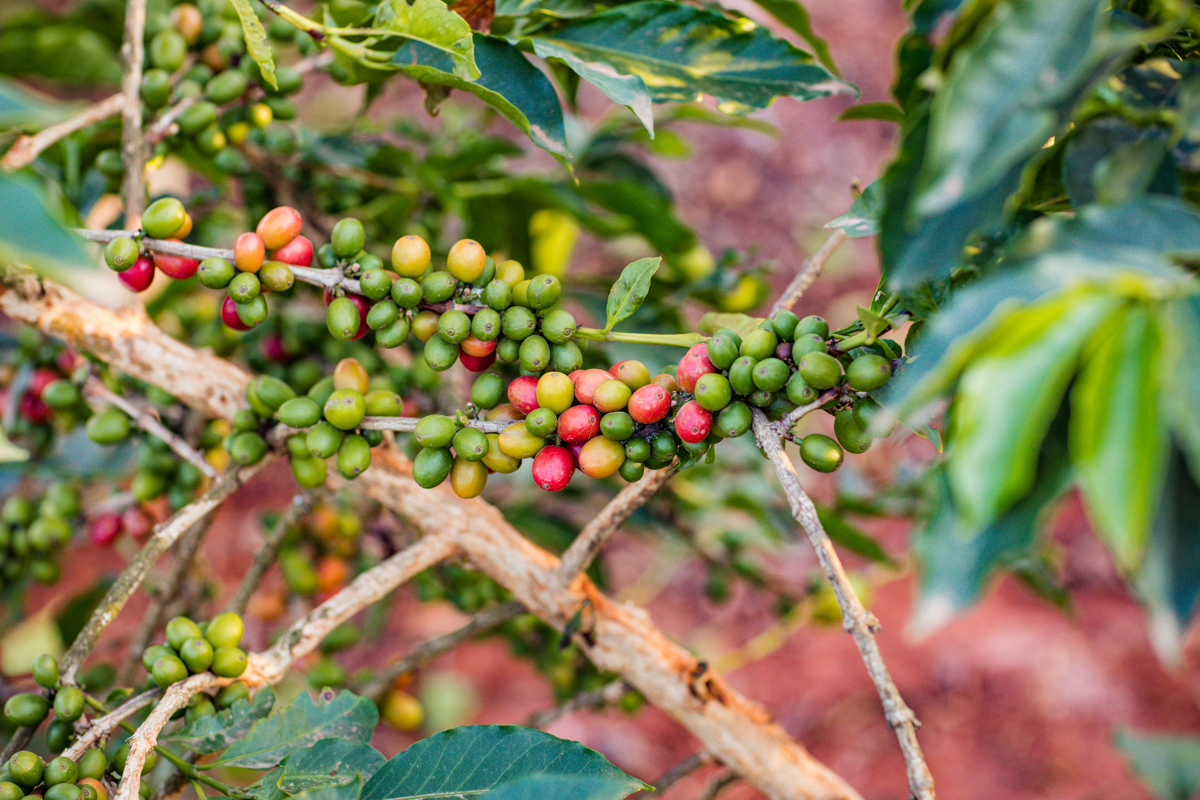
(667, 339)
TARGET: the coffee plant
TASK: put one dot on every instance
(388, 309)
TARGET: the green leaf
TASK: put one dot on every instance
(741, 324)
(627, 90)
(28, 230)
(218, 731)
(329, 762)
(432, 23)
(561, 787)
(885, 112)
(37, 47)
(301, 724)
(1182, 374)
(560, 9)
(1168, 764)
(682, 52)
(795, 16)
(851, 536)
(350, 790)
(1007, 398)
(257, 44)
(630, 290)
(9, 452)
(863, 217)
(1118, 435)
(508, 83)
(74, 615)
(469, 761)
(21, 107)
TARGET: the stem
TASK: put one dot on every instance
(607, 694)
(27, 148)
(809, 270)
(669, 339)
(299, 506)
(133, 147)
(148, 421)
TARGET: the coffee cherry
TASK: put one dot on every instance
(649, 404)
(410, 256)
(345, 409)
(110, 426)
(252, 312)
(821, 453)
(431, 466)
(92, 764)
(543, 292)
(437, 287)
(309, 472)
(342, 318)
(354, 456)
(226, 87)
(225, 630)
(633, 374)
(177, 267)
(45, 671)
(558, 326)
(466, 260)
(26, 768)
(120, 254)
(297, 252)
(487, 391)
(440, 354)
(167, 670)
(694, 364)
(601, 457)
(534, 354)
(807, 343)
(813, 324)
(868, 372)
(454, 326)
(156, 89)
(167, 50)
(798, 390)
(163, 218)
(138, 277)
(784, 323)
(522, 393)
(820, 370)
(232, 693)
(58, 735)
(611, 395)
(508, 351)
(375, 283)
(555, 392)
(517, 442)
(771, 374)
(578, 424)
(851, 437)
(553, 467)
(384, 403)
(324, 439)
(470, 444)
(10, 791)
(733, 420)
(276, 276)
(541, 422)
(393, 335)
(722, 348)
(468, 478)
(586, 381)
(351, 374)
(244, 288)
(347, 238)
(693, 422)
(68, 703)
(434, 431)
(566, 357)
(279, 226)
(196, 654)
(228, 662)
(477, 348)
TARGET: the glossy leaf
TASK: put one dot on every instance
(630, 290)
(508, 83)
(1182, 374)
(561, 9)
(256, 40)
(682, 52)
(351, 790)
(1169, 764)
(795, 16)
(627, 90)
(329, 762)
(562, 787)
(301, 724)
(431, 23)
(28, 231)
(863, 217)
(468, 762)
(1118, 435)
(885, 112)
(1007, 397)
(219, 731)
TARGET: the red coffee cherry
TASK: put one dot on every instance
(298, 252)
(473, 346)
(586, 382)
(176, 267)
(105, 528)
(249, 252)
(694, 364)
(522, 393)
(578, 424)
(279, 226)
(138, 277)
(229, 314)
(693, 423)
(649, 404)
(553, 467)
(476, 363)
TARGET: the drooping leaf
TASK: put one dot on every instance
(795, 16)
(682, 52)
(562, 787)
(1118, 434)
(863, 217)
(21, 107)
(1169, 764)
(28, 230)
(1007, 397)
(431, 23)
(301, 724)
(627, 90)
(329, 762)
(630, 290)
(469, 761)
(884, 112)
(508, 83)
(257, 44)
(218, 731)
(851, 536)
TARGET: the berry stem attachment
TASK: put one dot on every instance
(667, 339)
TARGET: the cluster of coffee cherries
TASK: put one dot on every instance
(158, 471)
(27, 775)
(315, 554)
(193, 648)
(197, 53)
(32, 385)
(34, 531)
(167, 219)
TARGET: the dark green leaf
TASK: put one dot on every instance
(28, 230)
(329, 762)
(256, 40)
(885, 112)
(627, 90)
(1168, 764)
(795, 16)
(301, 724)
(218, 731)
(508, 83)
(432, 23)
(682, 52)
(851, 536)
(630, 290)
(863, 217)
(37, 48)
(1116, 420)
(1095, 153)
(466, 762)
(1182, 394)
(351, 790)
(562, 787)
(561, 9)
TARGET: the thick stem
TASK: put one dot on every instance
(133, 146)
(860, 623)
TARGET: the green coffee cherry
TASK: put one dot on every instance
(345, 409)
(10, 791)
(432, 466)
(228, 662)
(741, 375)
(488, 390)
(382, 314)
(309, 472)
(384, 403)
(486, 325)
(406, 293)
(868, 372)
(558, 326)
(807, 343)
(156, 89)
(723, 348)
(120, 254)
(342, 318)
(470, 444)
(167, 50)
(798, 390)
(167, 670)
(713, 391)
(324, 439)
(353, 457)
(454, 326)
(813, 324)
(440, 354)
(541, 422)
(58, 735)
(617, 425)
(276, 276)
(253, 312)
(518, 323)
(25, 769)
(434, 431)
(225, 630)
(733, 420)
(535, 354)
(437, 287)
(631, 471)
(565, 358)
(300, 412)
(179, 630)
(64, 791)
(821, 453)
(230, 694)
(110, 426)
(347, 238)
(771, 374)
(92, 764)
(248, 447)
(226, 87)
(820, 370)
(153, 653)
(497, 295)
(759, 344)
(784, 323)
(196, 654)
(215, 273)
(375, 284)
(543, 291)
(45, 671)
(200, 116)
(395, 334)
(26, 708)
(68, 703)
(60, 770)
(851, 437)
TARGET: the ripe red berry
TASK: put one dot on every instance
(138, 277)
(105, 528)
(229, 313)
(578, 424)
(273, 349)
(553, 467)
(693, 423)
(298, 252)
(586, 382)
(32, 408)
(249, 252)
(136, 523)
(473, 346)
(279, 226)
(176, 267)
(476, 363)
(522, 393)
(41, 378)
(649, 404)
(694, 364)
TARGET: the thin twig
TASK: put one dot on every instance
(425, 652)
(128, 581)
(102, 726)
(809, 270)
(606, 695)
(796, 414)
(164, 126)
(28, 147)
(676, 773)
(718, 785)
(860, 623)
(148, 421)
(591, 539)
(300, 505)
(133, 146)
